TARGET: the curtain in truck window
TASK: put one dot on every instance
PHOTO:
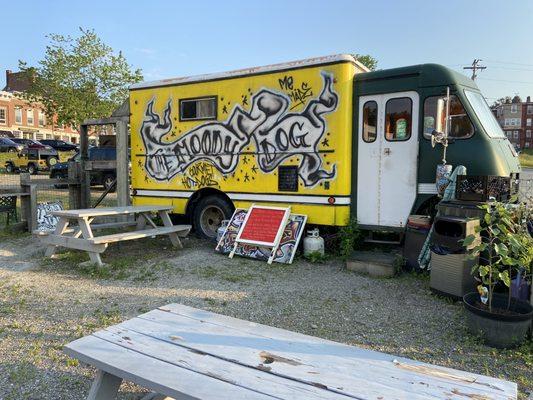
(398, 119)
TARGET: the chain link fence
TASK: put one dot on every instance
(525, 191)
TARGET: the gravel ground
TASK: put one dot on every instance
(45, 304)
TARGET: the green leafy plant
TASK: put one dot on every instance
(349, 238)
(505, 246)
(316, 257)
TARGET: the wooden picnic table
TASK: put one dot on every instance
(82, 237)
(186, 353)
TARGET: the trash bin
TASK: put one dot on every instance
(451, 265)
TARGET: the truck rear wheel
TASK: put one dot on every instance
(10, 168)
(208, 215)
(32, 169)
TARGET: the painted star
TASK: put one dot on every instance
(325, 142)
(254, 169)
(245, 160)
(246, 178)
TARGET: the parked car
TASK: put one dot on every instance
(59, 145)
(104, 176)
(29, 160)
(8, 145)
(45, 152)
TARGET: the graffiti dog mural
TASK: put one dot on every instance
(277, 134)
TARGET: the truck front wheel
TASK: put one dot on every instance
(208, 215)
(10, 168)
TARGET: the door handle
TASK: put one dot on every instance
(386, 151)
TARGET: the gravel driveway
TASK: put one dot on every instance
(45, 304)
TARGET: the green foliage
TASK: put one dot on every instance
(350, 237)
(526, 158)
(316, 257)
(505, 247)
(79, 78)
(367, 60)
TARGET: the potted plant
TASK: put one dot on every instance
(505, 248)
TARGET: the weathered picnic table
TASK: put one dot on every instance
(186, 353)
(94, 245)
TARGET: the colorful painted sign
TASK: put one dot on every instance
(286, 250)
(46, 222)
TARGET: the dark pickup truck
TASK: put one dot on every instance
(99, 176)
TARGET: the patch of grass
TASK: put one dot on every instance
(526, 158)
(232, 277)
(316, 257)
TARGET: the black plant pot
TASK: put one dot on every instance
(498, 330)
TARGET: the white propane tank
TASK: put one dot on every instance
(221, 229)
(313, 242)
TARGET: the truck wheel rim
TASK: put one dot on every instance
(210, 220)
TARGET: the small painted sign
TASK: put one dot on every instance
(46, 222)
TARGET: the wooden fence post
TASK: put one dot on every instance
(123, 187)
(28, 203)
(74, 187)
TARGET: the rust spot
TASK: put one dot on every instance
(269, 358)
(470, 395)
(428, 370)
(175, 337)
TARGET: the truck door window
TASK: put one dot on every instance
(370, 121)
(460, 125)
(198, 109)
(398, 119)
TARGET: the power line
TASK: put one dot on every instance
(509, 63)
(505, 80)
(475, 67)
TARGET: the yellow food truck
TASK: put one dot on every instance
(324, 136)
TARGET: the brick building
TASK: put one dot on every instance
(516, 119)
(18, 118)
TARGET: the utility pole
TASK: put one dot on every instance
(475, 67)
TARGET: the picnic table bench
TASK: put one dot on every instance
(186, 353)
(81, 237)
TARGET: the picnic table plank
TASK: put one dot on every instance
(331, 360)
(213, 367)
(182, 230)
(270, 361)
(155, 374)
(107, 211)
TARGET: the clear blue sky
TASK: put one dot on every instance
(178, 38)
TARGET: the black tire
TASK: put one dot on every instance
(208, 214)
(32, 169)
(109, 181)
(10, 168)
(12, 150)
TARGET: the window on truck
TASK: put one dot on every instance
(370, 121)
(460, 125)
(486, 117)
(398, 119)
(197, 109)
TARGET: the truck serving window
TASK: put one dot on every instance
(460, 125)
(197, 109)
(486, 117)
(398, 118)
(370, 121)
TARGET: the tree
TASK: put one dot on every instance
(79, 78)
(502, 100)
(367, 60)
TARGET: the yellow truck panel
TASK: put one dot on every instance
(246, 125)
